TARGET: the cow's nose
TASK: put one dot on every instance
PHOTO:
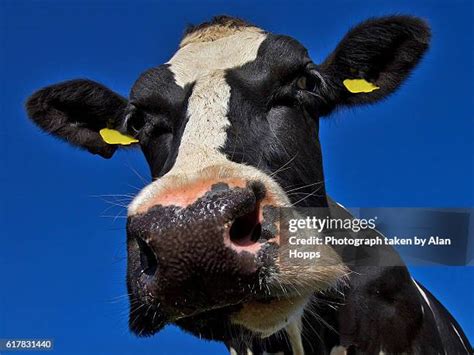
(239, 212)
(201, 254)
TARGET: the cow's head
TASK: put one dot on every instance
(229, 127)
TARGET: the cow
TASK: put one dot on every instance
(229, 127)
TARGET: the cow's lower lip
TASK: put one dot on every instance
(200, 313)
(230, 307)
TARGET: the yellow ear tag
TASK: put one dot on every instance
(112, 136)
(357, 86)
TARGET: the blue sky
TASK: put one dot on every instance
(62, 251)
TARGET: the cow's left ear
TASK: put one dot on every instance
(372, 60)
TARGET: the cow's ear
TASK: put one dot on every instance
(77, 111)
(372, 60)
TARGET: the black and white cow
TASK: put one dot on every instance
(229, 127)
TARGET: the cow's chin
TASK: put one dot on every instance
(260, 318)
(268, 318)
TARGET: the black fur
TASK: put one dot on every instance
(266, 104)
(160, 110)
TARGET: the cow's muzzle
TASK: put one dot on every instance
(209, 254)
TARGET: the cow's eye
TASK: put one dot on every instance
(301, 82)
(310, 81)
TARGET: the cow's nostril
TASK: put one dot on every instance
(246, 230)
(148, 260)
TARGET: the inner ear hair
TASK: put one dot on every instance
(383, 51)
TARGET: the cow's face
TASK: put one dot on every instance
(229, 127)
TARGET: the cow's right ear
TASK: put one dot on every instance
(77, 111)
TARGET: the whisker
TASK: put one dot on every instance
(144, 181)
(284, 165)
(305, 186)
(309, 195)
(114, 217)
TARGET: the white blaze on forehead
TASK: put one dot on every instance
(205, 131)
(204, 64)
(198, 59)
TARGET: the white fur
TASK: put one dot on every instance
(338, 350)
(205, 132)
(459, 336)
(196, 60)
(294, 334)
(205, 63)
(423, 294)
